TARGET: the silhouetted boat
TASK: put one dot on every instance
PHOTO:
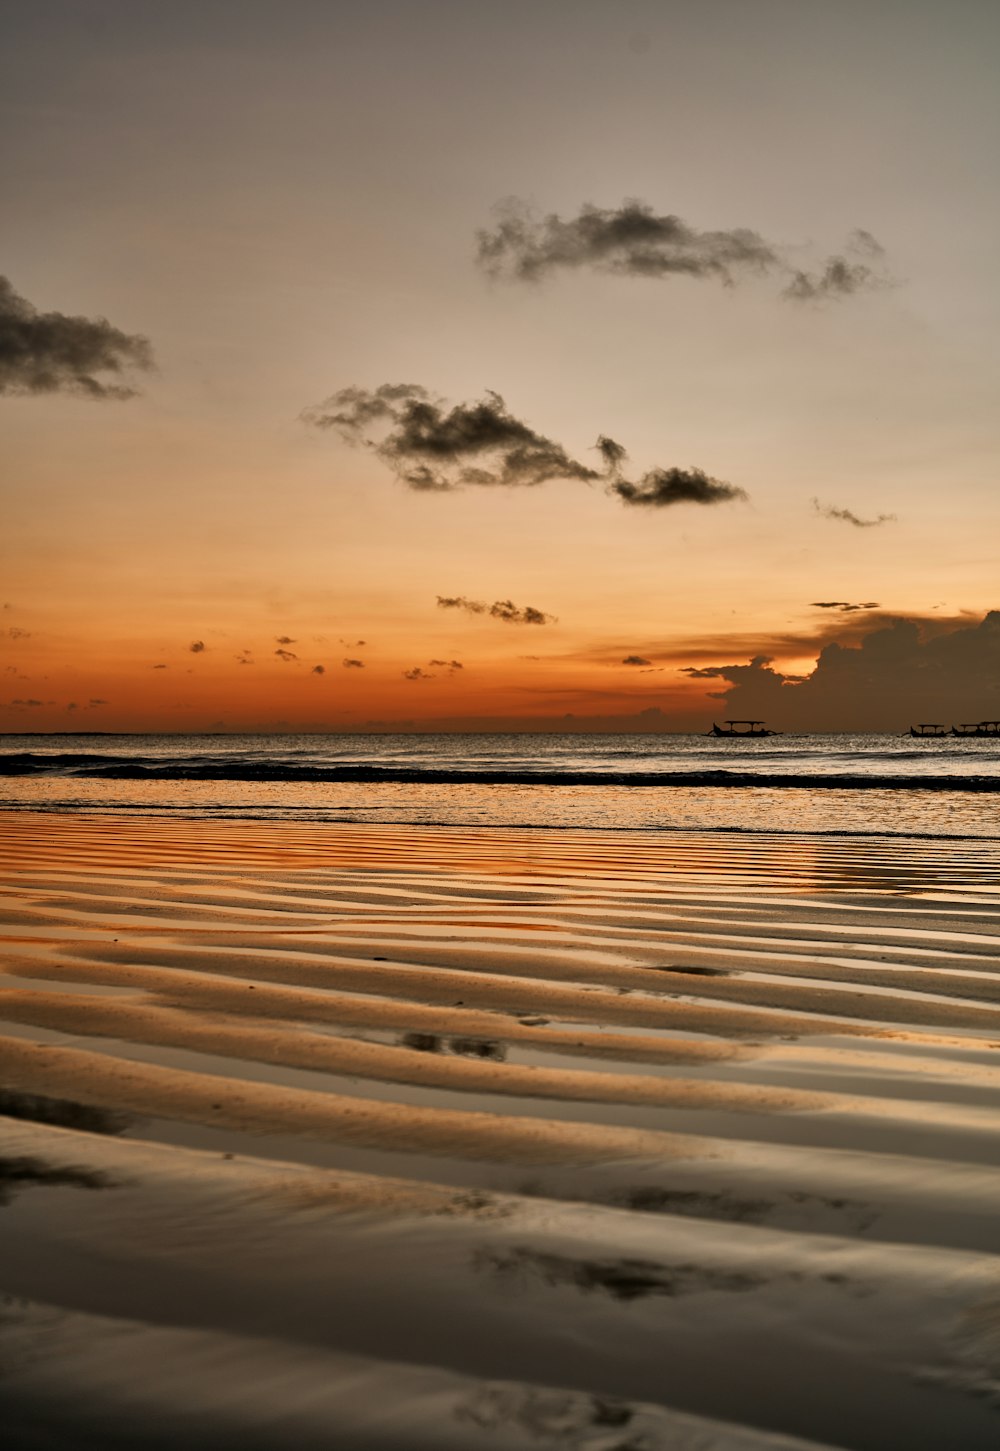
(988, 730)
(755, 730)
(929, 731)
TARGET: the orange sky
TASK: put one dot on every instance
(291, 210)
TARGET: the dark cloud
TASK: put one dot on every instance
(636, 660)
(662, 487)
(844, 606)
(839, 278)
(13, 632)
(830, 627)
(244, 658)
(95, 702)
(352, 644)
(286, 655)
(505, 610)
(416, 674)
(18, 702)
(900, 672)
(847, 516)
(433, 447)
(450, 665)
(613, 454)
(72, 705)
(629, 239)
(318, 670)
(196, 647)
(158, 667)
(284, 640)
(49, 352)
(632, 240)
(353, 664)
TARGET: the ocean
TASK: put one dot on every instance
(873, 784)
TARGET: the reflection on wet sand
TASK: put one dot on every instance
(466, 1047)
(512, 1139)
(86, 1117)
(23, 1173)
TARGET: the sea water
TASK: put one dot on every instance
(881, 784)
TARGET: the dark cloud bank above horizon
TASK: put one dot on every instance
(896, 675)
(632, 240)
(50, 352)
(432, 447)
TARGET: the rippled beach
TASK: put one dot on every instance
(395, 1136)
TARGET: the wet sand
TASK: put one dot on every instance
(336, 1135)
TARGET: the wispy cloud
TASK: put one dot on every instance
(505, 610)
(844, 606)
(847, 516)
(633, 240)
(50, 352)
(435, 447)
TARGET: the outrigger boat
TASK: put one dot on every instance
(988, 730)
(970, 730)
(755, 730)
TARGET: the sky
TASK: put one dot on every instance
(552, 364)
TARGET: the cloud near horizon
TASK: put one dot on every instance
(844, 606)
(434, 448)
(505, 610)
(897, 673)
(632, 240)
(51, 352)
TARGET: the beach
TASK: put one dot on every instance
(400, 1136)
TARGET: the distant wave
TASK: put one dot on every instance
(133, 768)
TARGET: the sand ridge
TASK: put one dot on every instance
(521, 1099)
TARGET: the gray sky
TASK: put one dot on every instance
(284, 199)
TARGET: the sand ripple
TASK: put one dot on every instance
(459, 1137)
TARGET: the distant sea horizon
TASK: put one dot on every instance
(872, 783)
